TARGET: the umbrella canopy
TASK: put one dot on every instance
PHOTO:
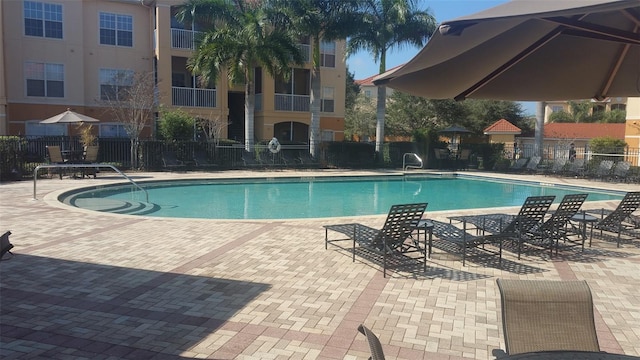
(68, 117)
(530, 51)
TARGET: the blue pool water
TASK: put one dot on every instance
(288, 198)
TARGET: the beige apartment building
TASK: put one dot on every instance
(69, 54)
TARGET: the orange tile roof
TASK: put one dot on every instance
(502, 126)
(583, 130)
(369, 81)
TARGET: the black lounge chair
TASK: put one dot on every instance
(544, 315)
(622, 218)
(5, 244)
(532, 165)
(393, 239)
(201, 160)
(375, 347)
(576, 168)
(55, 157)
(558, 227)
(530, 216)
(170, 160)
(621, 171)
(464, 241)
(556, 168)
(518, 165)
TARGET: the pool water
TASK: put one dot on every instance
(289, 198)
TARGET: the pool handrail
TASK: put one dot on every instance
(405, 167)
(96, 165)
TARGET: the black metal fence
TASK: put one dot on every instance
(20, 155)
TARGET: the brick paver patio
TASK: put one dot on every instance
(88, 285)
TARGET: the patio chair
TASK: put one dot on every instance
(170, 160)
(620, 219)
(394, 238)
(374, 343)
(532, 165)
(515, 228)
(544, 315)
(518, 165)
(558, 227)
(463, 241)
(576, 168)
(5, 244)
(621, 171)
(602, 171)
(55, 157)
(557, 167)
(90, 157)
(201, 160)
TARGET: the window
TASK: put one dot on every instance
(328, 54)
(34, 128)
(112, 131)
(327, 99)
(367, 93)
(328, 135)
(44, 80)
(116, 29)
(622, 107)
(557, 108)
(113, 83)
(43, 19)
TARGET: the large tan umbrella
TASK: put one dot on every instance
(530, 50)
(69, 117)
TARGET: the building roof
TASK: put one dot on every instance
(502, 126)
(586, 131)
(369, 81)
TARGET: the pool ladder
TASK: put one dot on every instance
(404, 162)
(83, 166)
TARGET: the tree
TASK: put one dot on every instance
(407, 113)
(212, 127)
(240, 37)
(360, 119)
(351, 91)
(320, 20)
(383, 25)
(131, 100)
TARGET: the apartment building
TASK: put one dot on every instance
(69, 54)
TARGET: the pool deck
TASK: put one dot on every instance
(89, 285)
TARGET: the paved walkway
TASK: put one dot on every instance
(100, 286)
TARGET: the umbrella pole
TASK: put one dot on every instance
(539, 134)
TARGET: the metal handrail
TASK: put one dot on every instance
(404, 158)
(66, 166)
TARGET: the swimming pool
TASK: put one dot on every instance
(312, 197)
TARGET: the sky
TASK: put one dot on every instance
(361, 64)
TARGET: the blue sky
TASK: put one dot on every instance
(363, 66)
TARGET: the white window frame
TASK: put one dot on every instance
(118, 78)
(328, 135)
(119, 23)
(48, 73)
(44, 12)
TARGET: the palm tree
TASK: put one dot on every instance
(239, 39)
(386, 24)
(320, 20)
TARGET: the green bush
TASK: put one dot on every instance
(176, 125)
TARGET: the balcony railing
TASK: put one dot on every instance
(183, 39)
(288, 102)
(183, 96)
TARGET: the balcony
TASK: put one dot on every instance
(288, 102)
(183, 96)
(306, 52)
(183, 39)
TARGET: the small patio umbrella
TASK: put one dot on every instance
(455, 132)
(69, 117)
(528, 50)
